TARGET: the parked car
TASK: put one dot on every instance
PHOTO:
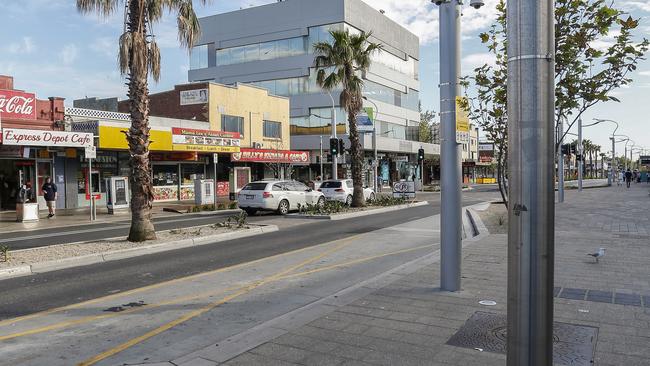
(277, 195)
(342, 189)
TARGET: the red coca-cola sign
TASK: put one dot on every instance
(17, 104)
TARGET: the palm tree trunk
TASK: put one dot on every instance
(356, 157)
(138, 136)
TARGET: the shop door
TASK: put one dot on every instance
(59, 180)
(44, 172)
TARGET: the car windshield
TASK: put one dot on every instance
(255, 187)
(330, 184)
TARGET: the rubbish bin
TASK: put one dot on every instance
(26, 212)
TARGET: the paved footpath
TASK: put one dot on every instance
(408, 321)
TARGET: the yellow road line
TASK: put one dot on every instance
(195, 313)
(91, 318)
(157, 285)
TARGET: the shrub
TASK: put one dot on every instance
(232, 205)
(4, 251)
(221, 206)
(389, 201)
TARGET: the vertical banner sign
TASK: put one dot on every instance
(366, 120)
(462, 120)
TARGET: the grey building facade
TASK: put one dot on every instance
(270, 46)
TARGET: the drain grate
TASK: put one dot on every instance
(572, 344)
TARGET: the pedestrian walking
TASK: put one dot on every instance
(621, 178)
(628, 178)
(49, 193)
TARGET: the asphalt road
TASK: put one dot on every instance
(30, 294)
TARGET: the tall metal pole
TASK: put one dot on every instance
(560, 163)
(531, 169)
(450, 174)
(321, 158)
(613, 168)
(580, 152)
(335, 158)
(374, 140)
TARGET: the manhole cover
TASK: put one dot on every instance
(572, 344)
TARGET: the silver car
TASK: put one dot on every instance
(277, 195)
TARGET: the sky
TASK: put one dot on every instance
(53, 50)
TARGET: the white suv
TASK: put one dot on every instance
(275, 195)
(342, 189)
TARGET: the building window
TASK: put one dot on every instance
(199, 57)
(262, 51)
(272, 129)
(232, 124)
(391, 96)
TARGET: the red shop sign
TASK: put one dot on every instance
(204, 133)
(17, 104)
(271, 156)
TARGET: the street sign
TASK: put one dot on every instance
(365, 120)
(404, 189)
(462, 120)
(90, 152)
(215, 157)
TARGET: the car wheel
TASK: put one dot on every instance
(321, 202)
(348, 201)
(283, 207)
(372, 197)
(250, 211)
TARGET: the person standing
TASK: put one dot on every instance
(621, 178)
(628, 177)
(49, 193)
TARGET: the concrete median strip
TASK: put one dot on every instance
(84, 260)
(349, 215)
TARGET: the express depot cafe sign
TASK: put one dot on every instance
(17, 105)
(271, 156)
(23, 137)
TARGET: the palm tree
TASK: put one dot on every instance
(343, 63)
(587, 147)
(602, 162)
(139, 56)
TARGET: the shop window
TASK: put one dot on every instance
(189, 172)
(232, 124)
(272, 129)
(199, 57)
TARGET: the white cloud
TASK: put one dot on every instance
(68, 54)
(106, 46)
(644, 73)
(636, 5)
(24, 46)
(474, 60)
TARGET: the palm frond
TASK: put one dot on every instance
(101, 7)
(154, 60)
(189, 29)
(124, 54)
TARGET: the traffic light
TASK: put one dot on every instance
(565, 149)
(420, 155)
(329, 158)
(334, 146)
(341, 147)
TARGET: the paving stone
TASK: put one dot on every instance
(280, 352)
(320, 359)
(627, 299)
(573, 293)
(250, 359)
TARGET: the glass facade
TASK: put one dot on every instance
(272, 129)
(319, 122)
(391, 130)
(388, 95)
(262, 51)
(199, 57)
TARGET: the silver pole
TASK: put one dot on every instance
(375, 162)
(450, 180)
(560, 163)
(335, 159)
(215, 159)
(613, 167)
(321, 158)
(580, 152)
(90, 187)
(531, 205)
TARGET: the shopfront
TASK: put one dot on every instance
(271, 164)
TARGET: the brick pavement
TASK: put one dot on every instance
(408, 322)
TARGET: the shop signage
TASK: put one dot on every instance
(21, 137)
(485, 146)
(190, 139)
(17, 104)
(645, 160)
(271, 156)
(197, 96)
(462, 120)
(404, 189)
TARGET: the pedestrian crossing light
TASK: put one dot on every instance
(341, 147)
(334, 146)
(420, 155)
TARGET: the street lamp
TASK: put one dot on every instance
(612, 174)
(374, 141)
(450, 179)
(334, 157)
(321, 148)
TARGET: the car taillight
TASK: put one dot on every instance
(267, 195)
(339, 190)
(319, 190)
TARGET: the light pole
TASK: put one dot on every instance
(335, 159)
(321, 148)
(374, 142)
(450, 172)
(560, 162)
(531, 207)
(612, 169)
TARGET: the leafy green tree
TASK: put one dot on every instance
(425, 134)
(342, 63)
(139, 58)
(585, 74)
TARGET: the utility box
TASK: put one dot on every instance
(204, 191)
(117, 194)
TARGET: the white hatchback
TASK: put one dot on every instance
(342, 190)
(275, 195)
